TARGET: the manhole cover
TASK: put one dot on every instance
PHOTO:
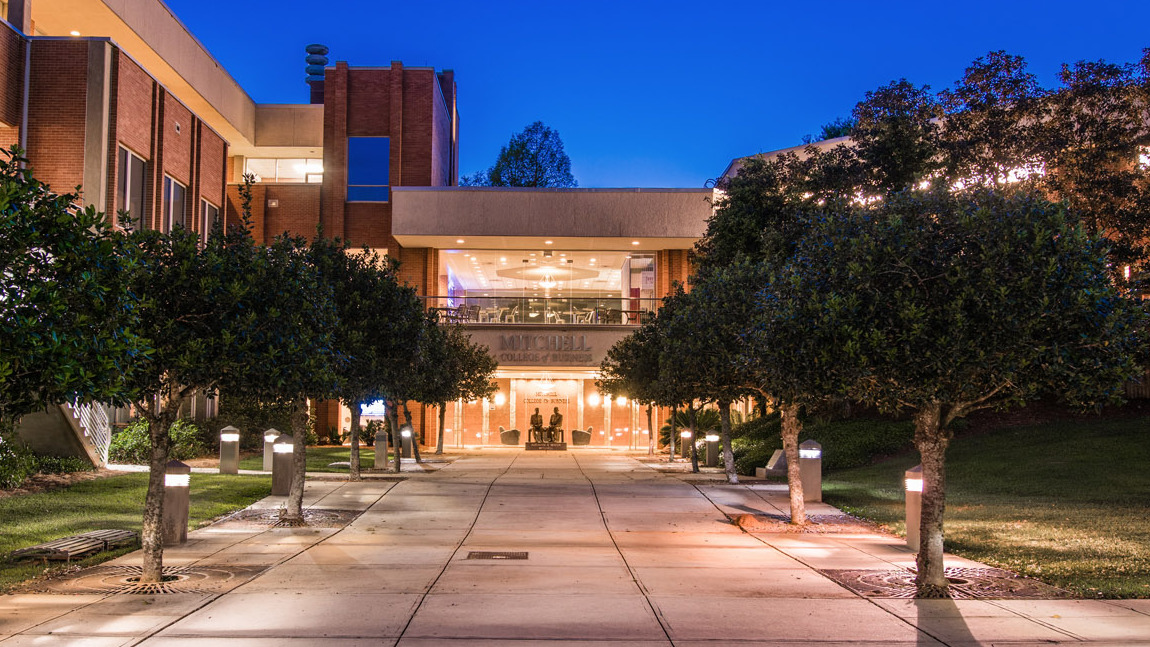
(126, 580)
(485, 554)
(312, 518)
(965, 584)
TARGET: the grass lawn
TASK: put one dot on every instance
(319, 459)
(1063, 502)
(113, 502)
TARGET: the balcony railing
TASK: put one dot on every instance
(565, 311)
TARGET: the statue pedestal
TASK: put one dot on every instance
(552, 447)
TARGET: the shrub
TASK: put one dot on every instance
(62, 464)
(17, 463)
(133, 444)
(252, 418)
(846, 443)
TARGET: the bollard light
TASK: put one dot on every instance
(177, 482)
(811, 470)
(269, 439)
(712, 450)
(913, 478)
(405, 440)
(685, 435)
(283, 464)
(229, 450)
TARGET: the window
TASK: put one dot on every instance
(130, 188)
(209, 214)
(289, 170)
(174, 204)
(368, 169)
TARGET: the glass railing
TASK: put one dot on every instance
(565, 311)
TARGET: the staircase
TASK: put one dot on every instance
(79, 429)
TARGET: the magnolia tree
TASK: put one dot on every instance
(377, 318)
(631, 369)
(942, 304)
(67, 318)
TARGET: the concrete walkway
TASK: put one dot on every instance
(618, 555)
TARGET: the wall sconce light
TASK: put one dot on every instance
(593, 399)
(500, 399)
(621, 400)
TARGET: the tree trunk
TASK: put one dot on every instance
(791, 428)
(931, 441)
(152, 528)
(725, 438)
(414, 441)
(674, 434)
(293, 514)
(396, 440)
(694, 434)
(353, 461)
(650, 434)
(442, 417)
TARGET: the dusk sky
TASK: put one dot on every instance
(658, 94)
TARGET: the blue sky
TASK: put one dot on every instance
(658, 94)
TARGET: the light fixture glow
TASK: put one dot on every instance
(914, 485)
(593, 399)
(634, 242)
(74, 33)
(177, 480)
(712, 438)
(500, 399)
(405, 433)
(686, 433)
(282, 448)
(459, 241)
(270, 437)
(810, 453)
(230, 438)
(548, 282)
(548, 242)
(621, 400)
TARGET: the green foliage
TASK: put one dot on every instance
(846, 443)
(67, 315)
(896, 136)
(18, 462)
(133, 444)
(533, 158)
(252, 417)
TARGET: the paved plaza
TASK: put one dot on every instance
(617, 555)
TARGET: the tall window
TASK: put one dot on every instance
(368, 169)
(130, 187)
(209, 214)
(174, 204)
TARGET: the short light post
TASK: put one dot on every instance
(405, 439)
(283, 456)
(712, 450)
(177, 483)
(811, 470)
(269, 440)
(685, 437)
(380, 448)
(913, 506)
(229, 450)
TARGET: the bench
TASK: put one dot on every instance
(78, 546)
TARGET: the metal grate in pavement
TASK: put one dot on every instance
(487, 554)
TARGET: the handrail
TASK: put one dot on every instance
(94, 421)
(568, 311)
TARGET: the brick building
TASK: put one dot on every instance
(121, 99)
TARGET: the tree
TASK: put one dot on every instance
(463, 371)
(896, 136)
(840, 127)
(67, 316)
(533, 158)
(942, 304)
(631, 368)
(374, 329)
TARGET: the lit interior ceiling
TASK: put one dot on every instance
(513, 272)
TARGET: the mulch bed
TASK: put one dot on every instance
(48, 482)
(821, 524)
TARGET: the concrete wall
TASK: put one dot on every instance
(600, 213)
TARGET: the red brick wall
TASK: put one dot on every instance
(368, 223)
(212, 162)
(133, 107)
(177, 145)
(297, 213)
(56, 108)
(419, 93)
(232, 209)
(368, 102)
(11, 84)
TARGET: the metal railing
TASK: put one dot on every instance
(565, 311)
(93, 419)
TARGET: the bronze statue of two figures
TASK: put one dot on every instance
(552, 433)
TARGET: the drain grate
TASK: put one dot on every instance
(487, 554)
(126, 580)
(965, 584)
(312, 518)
